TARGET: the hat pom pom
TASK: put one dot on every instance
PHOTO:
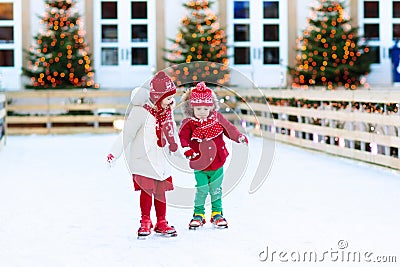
(161, 75)
(201, 86)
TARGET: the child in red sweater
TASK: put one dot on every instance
(201, 135)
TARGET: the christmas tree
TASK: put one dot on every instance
(201, 40)
(329, 53)
(60, 58)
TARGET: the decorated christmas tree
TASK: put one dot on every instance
(60, 58)
(329, 53)
(201, 40)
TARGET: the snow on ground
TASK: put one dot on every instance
(61, 206)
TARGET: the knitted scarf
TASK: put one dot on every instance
(206, 129)
(164, 124)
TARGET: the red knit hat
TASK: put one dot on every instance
(201, 96)
(161, 86)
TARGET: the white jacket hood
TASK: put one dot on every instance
(140, 96)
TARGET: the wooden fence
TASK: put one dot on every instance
(65, 111)
(69, 111)
(362, 125)
(2, 119)
(342, 122)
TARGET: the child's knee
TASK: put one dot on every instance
(216, 191)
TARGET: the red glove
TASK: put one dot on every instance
(110, 160)
(161, 142)
(190, 153)
(243, 139)
(173, 147)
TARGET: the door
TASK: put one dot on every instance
(124, 42)
(10, 44)
(380, 25)
(258, 40)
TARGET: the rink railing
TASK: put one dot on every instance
(2, 119)
(343, 123)
(68, 111)
(65, 111)
(315, 119)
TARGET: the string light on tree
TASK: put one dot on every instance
(329, 53)
(200, 38)
(60, 58)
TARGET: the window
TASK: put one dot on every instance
(241, 10)
(271, 9)
(271, 33)
(6, 58)
(139, 56)
(241, 32)
(6, 11)
(371, 9)
(242, 55)
(139, 10)
(371, 31)
(109, 10)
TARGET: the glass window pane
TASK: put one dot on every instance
(139, 33)
(6, 35)
(241, 9)
(271, 33)
(242, 55)
(109, 56)
(109, 33)
(139, 10)
(6, 58)
(396, 9)
(6, 11)
(241, 32)
(396, 31)
(139, 56)
(109, 10)
(371, 9)
(375, 52)
(371, 31)
(271, 9)
(271, 55)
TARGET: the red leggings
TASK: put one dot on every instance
(159, 204)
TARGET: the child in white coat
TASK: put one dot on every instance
(148, 129)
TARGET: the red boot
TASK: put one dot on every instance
(162, 227)
(145, 226)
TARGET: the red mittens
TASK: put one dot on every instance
(190, 153)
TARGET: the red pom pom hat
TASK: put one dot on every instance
(201, 96)
(161, 86)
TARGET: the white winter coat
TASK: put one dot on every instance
(138, 141)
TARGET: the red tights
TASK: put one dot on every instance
(159, 204)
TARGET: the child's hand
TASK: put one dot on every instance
(110, 160)
(161, 142)
(173, 147)
(243, 139)
(190, 153)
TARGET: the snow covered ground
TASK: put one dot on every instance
(61, 206)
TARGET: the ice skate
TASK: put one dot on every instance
(197, 221)
(218, 220)
(163, 228)
(145, 227)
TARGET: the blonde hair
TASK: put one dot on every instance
(187, 109)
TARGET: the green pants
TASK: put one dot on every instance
(208, 182)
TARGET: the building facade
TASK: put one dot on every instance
(127, 37)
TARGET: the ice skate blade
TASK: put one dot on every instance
(220, 226)
(142, 237)
(168, 235)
